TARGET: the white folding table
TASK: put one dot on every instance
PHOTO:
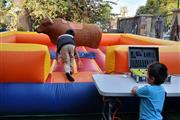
(120, 85)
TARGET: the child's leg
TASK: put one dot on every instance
(65, 58)
(72, 59)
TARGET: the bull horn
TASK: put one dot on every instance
(50, 19)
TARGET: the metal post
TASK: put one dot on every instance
(109, 111)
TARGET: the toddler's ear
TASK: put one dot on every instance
(152, 79)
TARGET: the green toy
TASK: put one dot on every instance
(139, 74)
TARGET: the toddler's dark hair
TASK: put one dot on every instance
(159, 71)
(70, 32)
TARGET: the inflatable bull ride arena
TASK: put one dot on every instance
(32, 83)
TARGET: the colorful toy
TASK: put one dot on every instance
(139, 75)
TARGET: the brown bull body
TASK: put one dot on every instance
(85, 34)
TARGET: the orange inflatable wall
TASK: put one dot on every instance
(33, 38)
(169, 55)
(25, 37)
(117, 56)
(7, 37)
(130, 39)
(24, 62)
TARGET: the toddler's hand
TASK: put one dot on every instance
(133, 91)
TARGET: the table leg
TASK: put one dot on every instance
(103, 112)
(109, 105)
(109, 110)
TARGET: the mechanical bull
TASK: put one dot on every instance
(85, 34)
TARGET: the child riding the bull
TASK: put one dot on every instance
(67, 50)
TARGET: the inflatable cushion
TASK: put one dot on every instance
(167, 55)
(7, 37)
(131, 39)
(117, 58)
(24, 62)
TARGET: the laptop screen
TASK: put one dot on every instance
(140, 57)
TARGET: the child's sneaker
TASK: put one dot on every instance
(69, 77)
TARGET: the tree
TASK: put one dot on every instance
(157, 7)
(8, 15)
(102, 15)
(124, 11)
(84, 11)
(141, 10)
(87, 11)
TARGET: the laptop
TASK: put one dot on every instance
(139, 58)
